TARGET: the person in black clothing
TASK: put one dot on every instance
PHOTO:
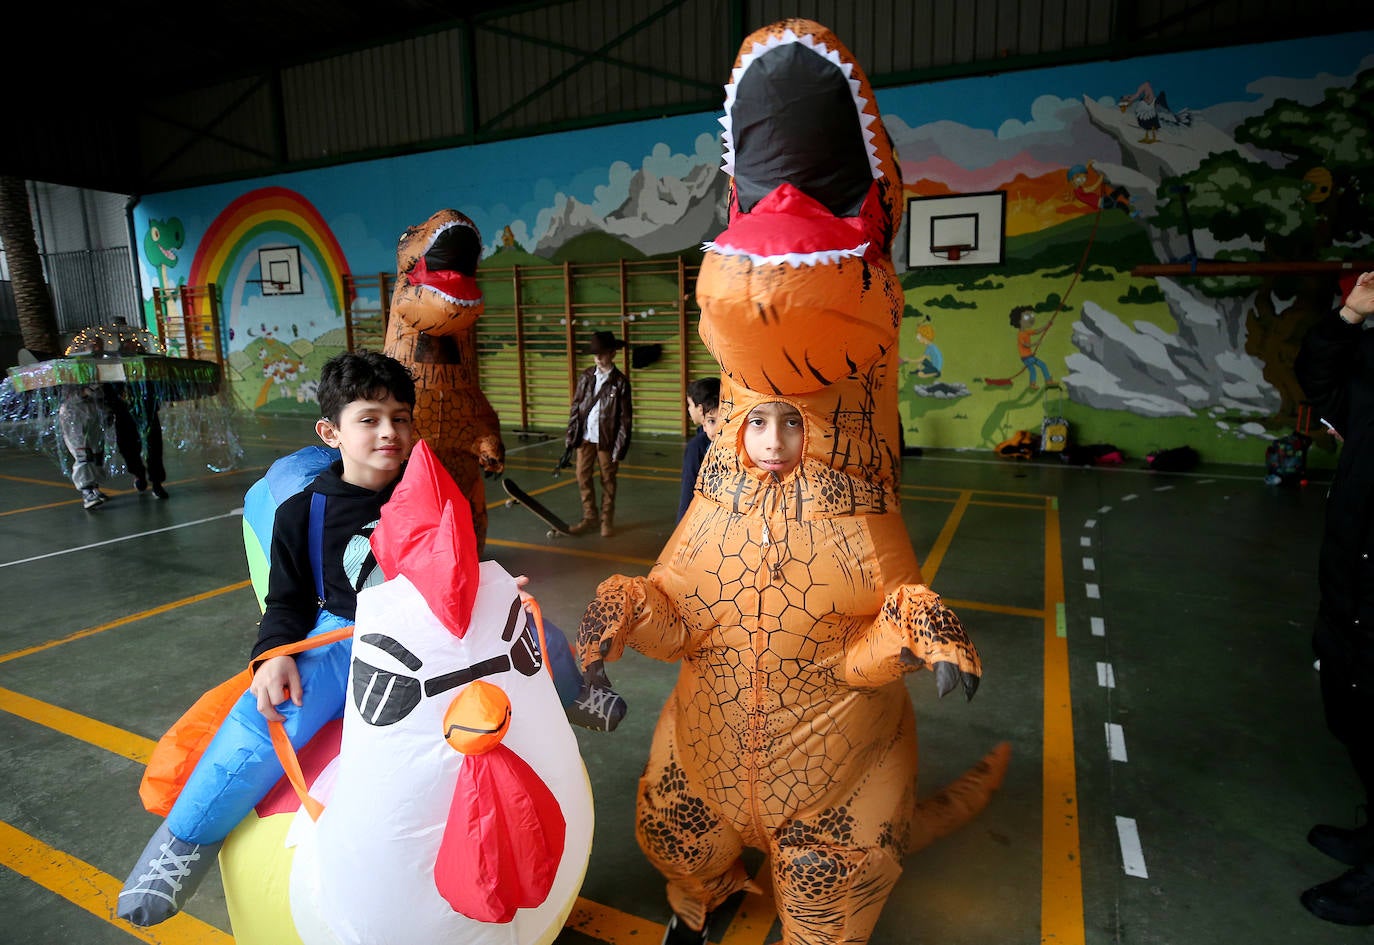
(703, 402)
(599, 425)
(1335, 367)
(366, 402)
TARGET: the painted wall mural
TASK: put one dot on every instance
(1033, 196)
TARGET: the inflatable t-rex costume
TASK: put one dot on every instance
(796, 606)
(434, 307)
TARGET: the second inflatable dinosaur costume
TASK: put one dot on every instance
(434, 307)
(795, 605)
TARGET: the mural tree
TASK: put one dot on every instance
(1313, 202)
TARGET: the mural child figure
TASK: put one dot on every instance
(1023, 320)
(789, 592)
(434, 309)
(932, 362)
(320, 559)
(703, 409)
(600, 424)
(1089, 188)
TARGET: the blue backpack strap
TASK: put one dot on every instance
(316, 540)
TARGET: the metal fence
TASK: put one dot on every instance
(89, 287)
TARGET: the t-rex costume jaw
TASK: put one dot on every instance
(434, 309)
(796, 606)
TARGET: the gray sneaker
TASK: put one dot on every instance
(92, 497)
(174, 869)
(597, 708)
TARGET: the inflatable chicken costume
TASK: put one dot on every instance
(457, 808)
(795, 605)
(434, 308)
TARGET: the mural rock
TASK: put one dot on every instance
(1144, 370)
(1155, 374)
(660, 215)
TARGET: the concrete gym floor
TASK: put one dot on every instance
(1145, 648)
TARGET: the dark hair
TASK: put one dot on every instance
(705, 393)
(364, 375)
(1015, 317)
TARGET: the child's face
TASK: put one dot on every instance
(773, 437)
(374, 438)
(710, 423)
(693, 411)
(605, 359)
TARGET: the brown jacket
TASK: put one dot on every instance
(617, 415)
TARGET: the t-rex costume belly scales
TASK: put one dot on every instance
(796, 605)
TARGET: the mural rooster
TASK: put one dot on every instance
(457, 808)
(795, 603)
(434, 308)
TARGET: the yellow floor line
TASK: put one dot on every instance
(83, 885)
(555, 549)
(162, 609)
(114, 740)
(931, 565)
(1061, 868)
(59, 484)
(610, 925)
(757, 913)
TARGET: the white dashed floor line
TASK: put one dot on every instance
(1105, 677)
(1116, 742)
(1132, 855)
(1089, 564)
(1092, 591)
(1099, 627)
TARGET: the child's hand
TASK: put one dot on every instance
(276, 681)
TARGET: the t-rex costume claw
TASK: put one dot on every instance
(434, 307)
(796, 606)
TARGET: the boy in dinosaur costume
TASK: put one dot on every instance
(795, 603)
(434, 307)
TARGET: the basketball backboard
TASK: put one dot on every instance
(280, 270)
(956, 230)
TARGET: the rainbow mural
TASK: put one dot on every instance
(265, 217)
(273, 341)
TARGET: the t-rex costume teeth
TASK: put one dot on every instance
(434, 309)
(796, 606)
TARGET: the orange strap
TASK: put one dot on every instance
(286, 753)
(532, 606)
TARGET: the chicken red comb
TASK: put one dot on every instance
(426, 534)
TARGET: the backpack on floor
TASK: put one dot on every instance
(1054, 429)
(1178, 459)
(1022, 444)
(1285, 459)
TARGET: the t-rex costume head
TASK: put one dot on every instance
(434, 309)
(795, 605)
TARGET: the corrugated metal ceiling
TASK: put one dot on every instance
(138, 97)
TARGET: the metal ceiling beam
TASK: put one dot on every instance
(589, 57)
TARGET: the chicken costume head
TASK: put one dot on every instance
(794, 602)
(457, 809)
(432, 331)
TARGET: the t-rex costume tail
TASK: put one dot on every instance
(796, 606)
(434, 307)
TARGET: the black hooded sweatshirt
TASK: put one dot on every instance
(350, 514)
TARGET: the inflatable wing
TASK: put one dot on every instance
(457, 809)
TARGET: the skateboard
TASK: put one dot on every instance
(519, 496)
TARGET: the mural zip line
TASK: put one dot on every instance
(1040, 339)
